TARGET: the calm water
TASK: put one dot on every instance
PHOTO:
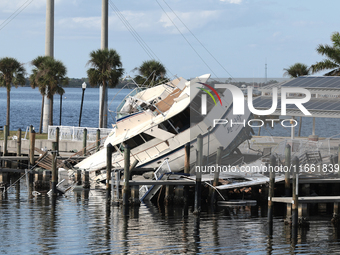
(26, 107)
(81, 224)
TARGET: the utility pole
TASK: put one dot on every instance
(265, 73)
(104, 45)
(49, 49)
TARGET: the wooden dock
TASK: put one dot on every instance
(308, 200)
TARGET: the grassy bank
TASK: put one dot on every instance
(15, 133)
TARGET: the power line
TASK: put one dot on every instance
(198, 40)
(131, 30)
(16, 13)
(137, 37)
(186, 39)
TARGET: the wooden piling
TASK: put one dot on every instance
(287, 173)
(187, 158)
(300, 125)
(57, 134)
(216, 174)
(19, 143)
(86, 179)
(109, 150)
(84, 141)
(31, 154)
(295, 192)
(4, 180)
(32, 146)
(54, 169)
(47, 176)
(116, 183)
(78, 177)
(271, 188)
(336, 208)
(38, 180)
(135, 195)
(126, 189)
(218, 163)
(186, 170)
(98, 140)
(289, 212)
(134, 164)
(197, 206)
(335, 219)
(179, 195)
(303, 211)
(38, 175)
(169, 194)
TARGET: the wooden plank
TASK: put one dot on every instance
(254, 182)
(11, 170)
(318, 180)
(16, 158)
(160, 182)
(306, 200)
(74, 158)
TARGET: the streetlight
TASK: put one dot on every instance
(82, 100)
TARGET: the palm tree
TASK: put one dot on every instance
(55, 78)
(106, 69)
(36, 80)
(12, 73)
(332, 54)
(296, 70)
(49, 75)
(151, 70)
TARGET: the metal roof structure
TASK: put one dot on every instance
(313, 83)
(325, 101)
(318, 107)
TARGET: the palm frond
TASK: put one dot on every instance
(323, 65)
(106, 67)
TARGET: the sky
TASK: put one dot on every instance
(227, 38)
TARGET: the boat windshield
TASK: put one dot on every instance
(119, 111)
(160, 97)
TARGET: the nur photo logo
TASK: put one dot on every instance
(204, 97)
(239, 99)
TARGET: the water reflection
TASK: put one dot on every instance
(85, 223)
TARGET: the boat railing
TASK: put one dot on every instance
(158, 174)
(162, 170)
(132, 93)
(76, 133)
(313, 155)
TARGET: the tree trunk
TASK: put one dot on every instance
(42, 114)
(101, 114)
(8, 109)
(51, 112)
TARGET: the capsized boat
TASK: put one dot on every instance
(157, 122)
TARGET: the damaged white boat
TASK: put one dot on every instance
(157, 122)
